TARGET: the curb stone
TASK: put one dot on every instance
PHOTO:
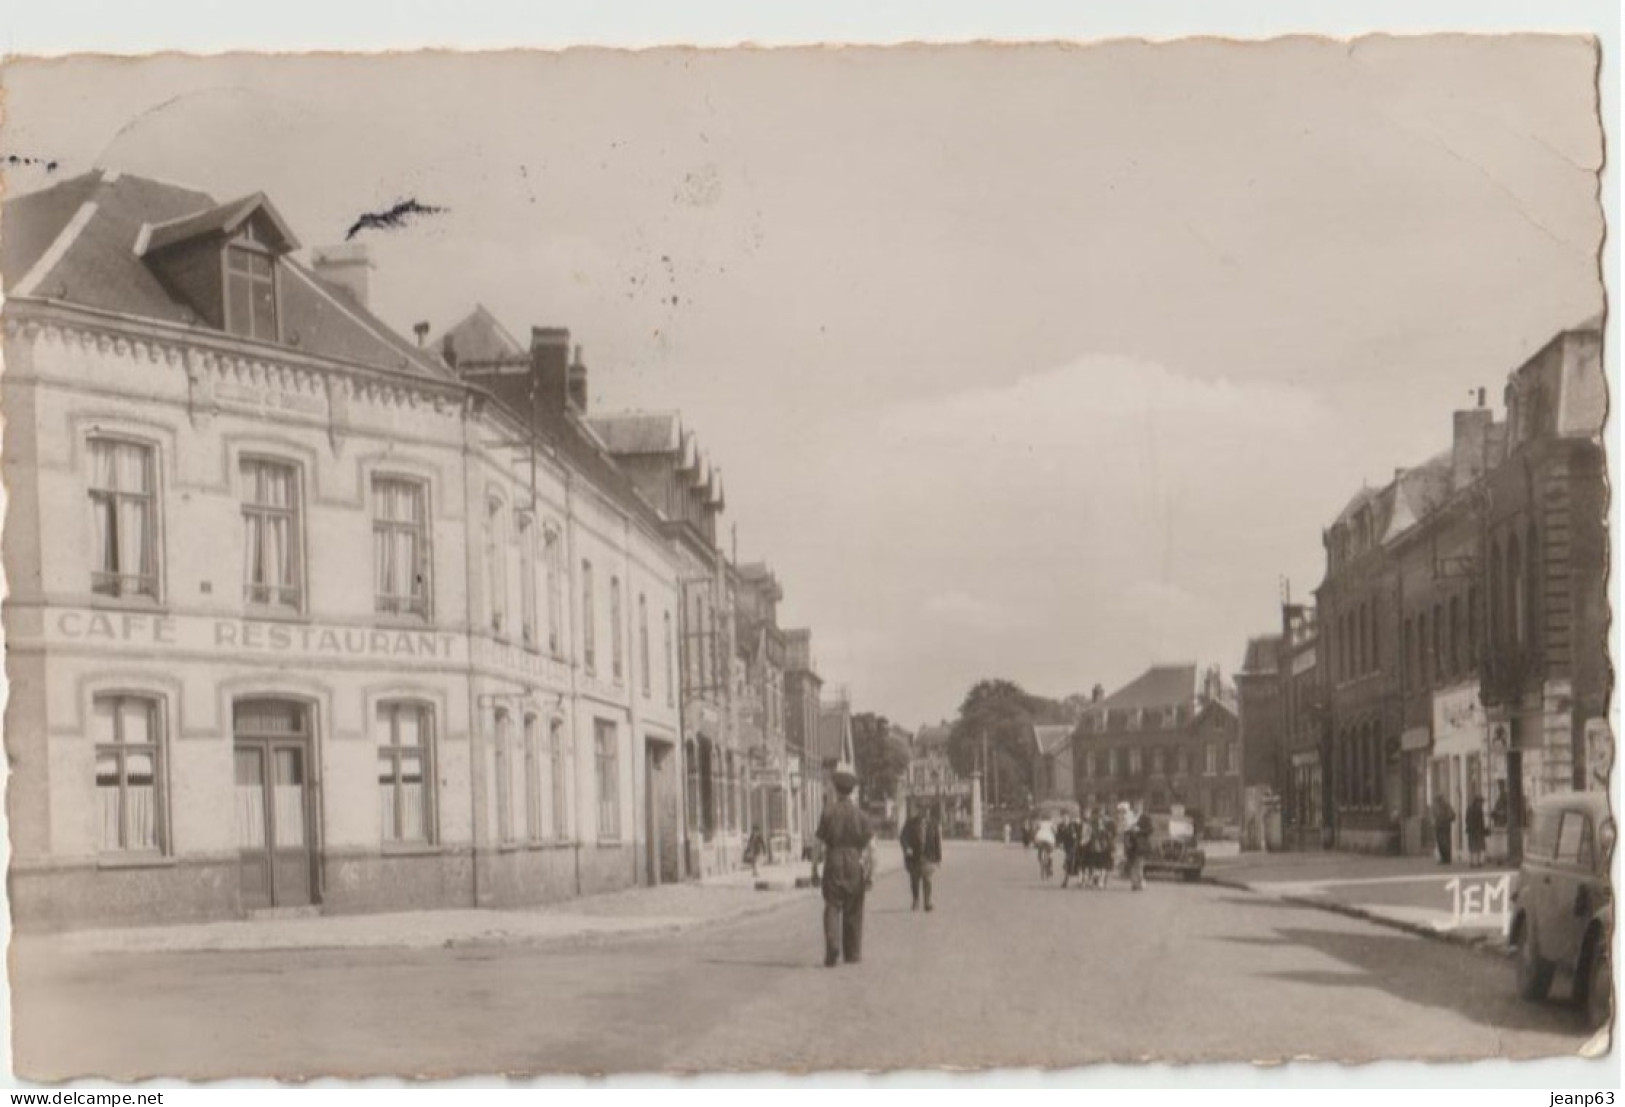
(1478, 943)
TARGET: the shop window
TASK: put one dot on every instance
(400, 538)
(405, 737)
(124, 519)
(272, 569)
(129, 774)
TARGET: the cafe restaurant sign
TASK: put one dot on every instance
(235, 637)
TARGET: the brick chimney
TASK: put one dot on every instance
(1469, 454)
(346, 266)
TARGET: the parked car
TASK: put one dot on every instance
(1173, 847)
(1563, 905)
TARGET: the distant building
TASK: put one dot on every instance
(931, 779)
(1160, 741)
(1258, 704)
(803, 693)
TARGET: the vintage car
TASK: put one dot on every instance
(1563, 904)
(1173, 847)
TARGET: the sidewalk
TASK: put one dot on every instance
(667, 909)
(1455, 903)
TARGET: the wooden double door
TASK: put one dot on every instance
(274, 808)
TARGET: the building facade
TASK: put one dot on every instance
(1464, 617)
(1160, 742)
(803, 693)
(216, 705)
(1306, 800)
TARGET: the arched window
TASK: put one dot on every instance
(527, 581)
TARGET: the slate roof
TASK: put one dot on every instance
(1158, 687)
(76, 243)
(639, 432)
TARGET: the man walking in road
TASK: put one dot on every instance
(847, 868)
(922, 853)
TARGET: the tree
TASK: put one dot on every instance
(998, 715)
(882, 759)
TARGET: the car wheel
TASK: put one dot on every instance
(1599, 985)
(1534, 974)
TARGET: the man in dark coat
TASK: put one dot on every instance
(846, 837)
(921, 840)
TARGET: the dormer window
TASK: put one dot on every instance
(223, 262)
(250, 288)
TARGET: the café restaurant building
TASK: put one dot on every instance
(300, 618)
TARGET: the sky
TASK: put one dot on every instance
(1047, 363)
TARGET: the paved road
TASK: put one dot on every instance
(1007, 972)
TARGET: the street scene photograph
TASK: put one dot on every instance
(549, 563)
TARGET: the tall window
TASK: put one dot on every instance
(555, 592)
(1134, 761)
(1232, 757)
(1422, 649)
(609, 779)
(535, 765)
(617, 648)
(1494, 615)
(404, 733)
(1407, 648)
(1212, 751)
(1515, 591)
(400, 542)
(671, 691)
(1114, 763)
(691, 791)
(502, 756)
(496, 582)
(1436, 659)
(1531, 582)
(589, 621)
(1455, 634)
(250, 293)
(559, 778)
(271, 533)
(643, 646)
(1472, 628)
(124, 517)
(527, 581)
(1371, 614)
(129, 768)
(1360, 629)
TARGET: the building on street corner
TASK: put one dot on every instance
(305, 615)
